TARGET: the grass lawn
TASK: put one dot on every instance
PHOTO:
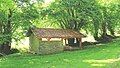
(93, 56)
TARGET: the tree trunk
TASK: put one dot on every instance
(71, 42)
(0, 48)
(104, 24)
(104, 31)
(6, 48)
(110, 29)
(96, 35)
(7, 45)
(96, 28)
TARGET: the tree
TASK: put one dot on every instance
(93, 16)
(109, 13)
(17, 18)
(6, 24)
(69, 14)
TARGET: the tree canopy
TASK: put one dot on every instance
(97, 17)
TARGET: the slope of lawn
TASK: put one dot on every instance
(93, 56)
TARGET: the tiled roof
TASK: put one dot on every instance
(55, 33)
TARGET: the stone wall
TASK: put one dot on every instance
(50, 47)
(44, 47)
(34, 44)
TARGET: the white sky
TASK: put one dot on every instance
(48, 1)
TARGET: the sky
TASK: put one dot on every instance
(48, 1)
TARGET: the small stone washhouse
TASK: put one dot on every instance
(50, 40)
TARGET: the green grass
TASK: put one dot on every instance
(95, 56)
(115, 65)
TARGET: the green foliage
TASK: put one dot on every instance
(84, 15)
(3, 38)
(21, 16)
(108, 16)
(66, 13)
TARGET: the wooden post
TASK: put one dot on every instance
(48, 39)
(80, 43)
(62, 39)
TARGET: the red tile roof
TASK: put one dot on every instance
(55, 33)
